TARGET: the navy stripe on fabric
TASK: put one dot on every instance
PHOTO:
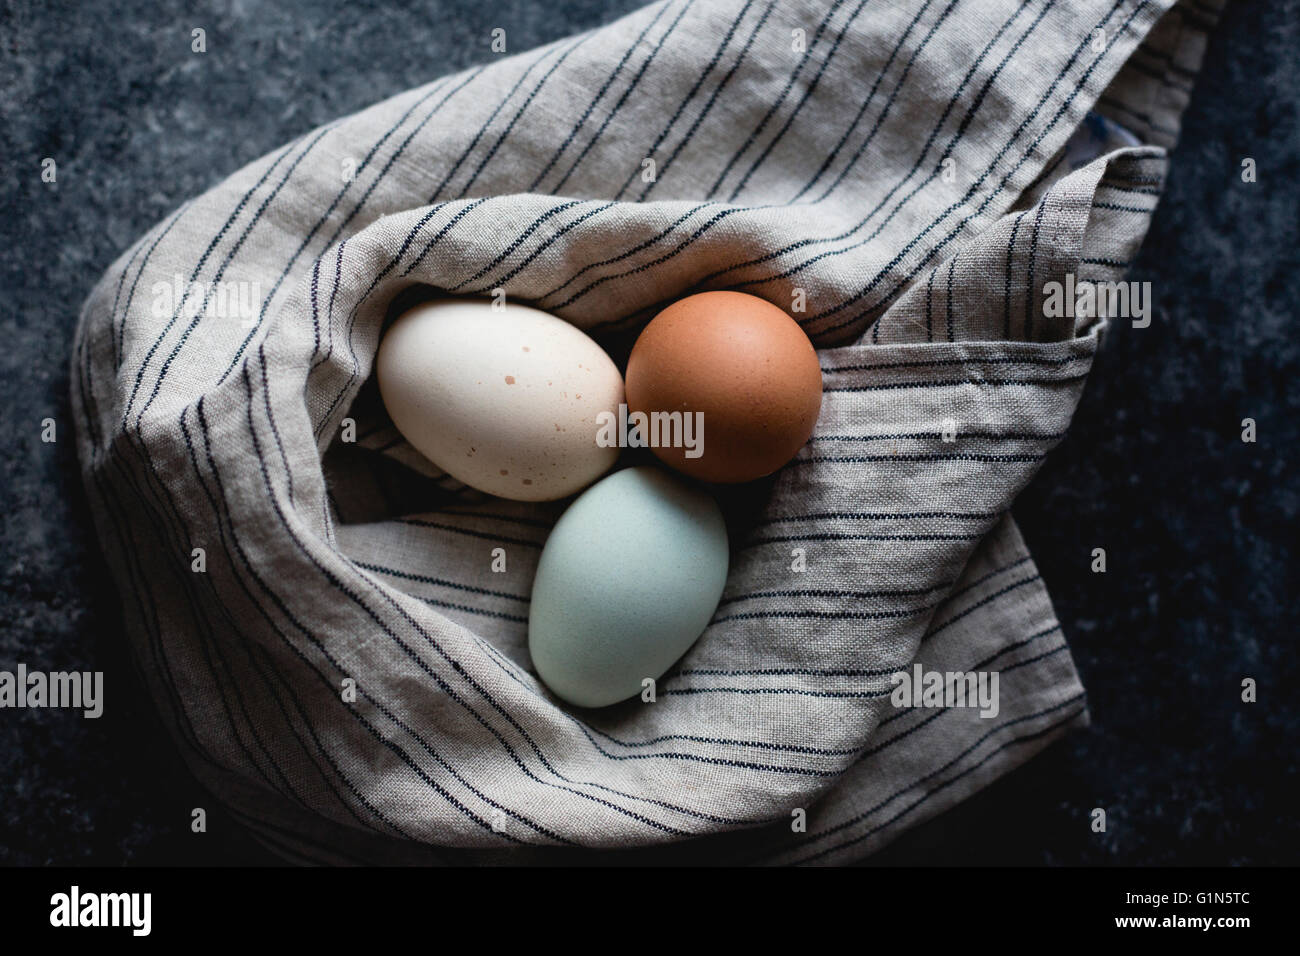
(690, 95)
(1006, 305)
(271, 424)
(889, 103)
(501, 280)
(425, 523)
(440, 582)
(1024, 738)
(210, 291)
(520, 112)
(515, 244)
(970, 192)
(939, 436)
(980, 360)
(631, 252)
(234, 546)
(833, 593)
(992, 597)
(360, 202)
(902, 284)
(604, 88)
(929, 306)
(708, 106)
(230, 221)
(121, 323)
(170, 538)
(979, 665)
(1033, 257)
(823, 615)
(645, 65)
(467, 609)
(952, 267)
(835, 536)
(318, 358)
(798, 244)
(382, 592)
(779, 692)
(884, 516)
(1146, 211)
(982, 382)
(976, 103)
(341, 587)
(776, 103)
(810, 88)
(863, 459)
(455, 167)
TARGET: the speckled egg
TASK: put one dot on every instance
(504, 399)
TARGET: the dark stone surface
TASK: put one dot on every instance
(1200, 529)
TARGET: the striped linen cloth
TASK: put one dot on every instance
(913, 173)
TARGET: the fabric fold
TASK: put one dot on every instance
(312, 604)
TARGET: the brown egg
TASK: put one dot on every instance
(741, 362)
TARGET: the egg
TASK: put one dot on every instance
(742, 368)
(627, 581)
(504, 399)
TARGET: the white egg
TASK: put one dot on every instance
(504, 399)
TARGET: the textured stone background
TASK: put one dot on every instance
(1200, 529)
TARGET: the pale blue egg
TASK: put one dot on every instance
(629, 578)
